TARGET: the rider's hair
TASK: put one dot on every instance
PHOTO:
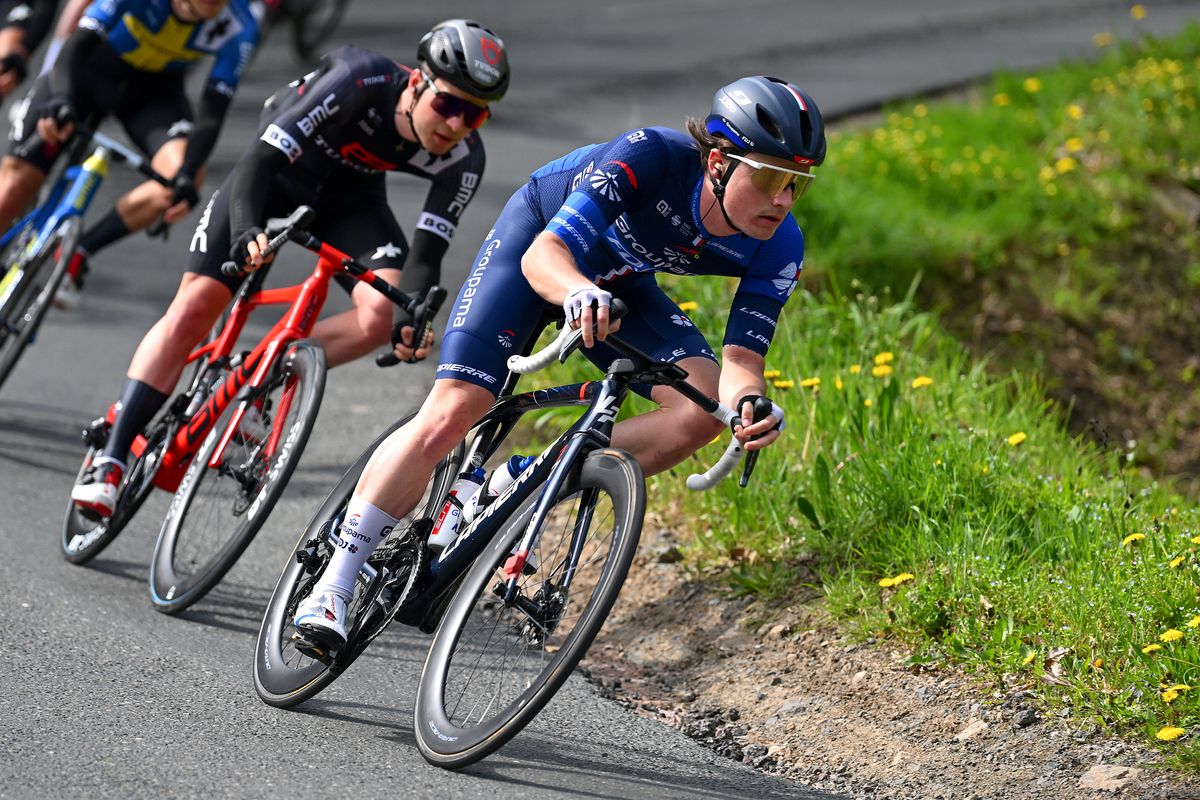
(706, 141)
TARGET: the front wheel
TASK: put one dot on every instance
(26, 292)
(495, 663)
(220, 507)
(283, 676)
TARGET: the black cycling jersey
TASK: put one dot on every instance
(327, 140)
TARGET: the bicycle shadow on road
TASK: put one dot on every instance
(42, 437)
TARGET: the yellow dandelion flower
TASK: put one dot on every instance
(1170, 635)
(1046, 174)
(808, 383)
(937, 462)
(1032, 654)
(1137, 11)
(1194, 622)
(1064, 165)
(1150, 648)
(1017, 438)
(783, 384)
(1169, 733)
(1169, 695)
(1002, 99)
(887, 583)
(1131, 538)
(919, 110)
(837, 383)
(885, 357)
(1102, 40)
(857, 368)
(1098, 663)
(1074, 144)
(1175, 562)
(689, 305)
(881, 370)
(1063, 249)
(1179, 687)
(921, 381)
(903, 577)
(1196, 540)
(1075, 111)
(868, 402)
(770, 373)
(1032, 85)
(985, 469)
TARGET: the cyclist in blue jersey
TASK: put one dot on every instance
(327, 140)
(128, 58)
(592, 225)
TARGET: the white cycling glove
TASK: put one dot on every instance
(582, 296)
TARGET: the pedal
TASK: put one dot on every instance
(308, 645)
(96, 433)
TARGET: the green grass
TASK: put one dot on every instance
(1033, 558)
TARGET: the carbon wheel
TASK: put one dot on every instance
(219, 508)
(495, 664)
(283, 676)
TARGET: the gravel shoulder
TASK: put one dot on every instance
(793, 696)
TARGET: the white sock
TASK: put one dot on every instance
(361, 531)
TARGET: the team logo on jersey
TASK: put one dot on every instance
(606, 184)
(506, 338)
(786, 282)
(216, 32)
(675, 257)
(681, 320)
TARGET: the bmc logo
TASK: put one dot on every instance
(309, 122)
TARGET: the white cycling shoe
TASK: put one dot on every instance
(323, 617)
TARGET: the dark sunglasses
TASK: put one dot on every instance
(451, 105)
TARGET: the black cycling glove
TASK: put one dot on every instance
(15, 62)
(57, 108)
(183, 190)
(237, 250)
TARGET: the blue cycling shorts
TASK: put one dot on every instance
(497, 311)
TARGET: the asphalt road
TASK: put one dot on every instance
(101, 695)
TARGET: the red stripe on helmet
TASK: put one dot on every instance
(799, 99)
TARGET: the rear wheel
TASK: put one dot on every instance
(83, 536)
(27, 291)
(283, 676)
(218, 510)
(495, 664)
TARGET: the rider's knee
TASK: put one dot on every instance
(448, 415)
(188, 320)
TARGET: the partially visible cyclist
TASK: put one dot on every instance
(326, 141)
(128, 58)
(598, 223)
(23, 26)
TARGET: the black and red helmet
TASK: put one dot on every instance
(766, 115)
(467, 55)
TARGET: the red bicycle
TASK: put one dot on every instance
(227, 446)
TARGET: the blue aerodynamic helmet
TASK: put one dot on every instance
(769, 116)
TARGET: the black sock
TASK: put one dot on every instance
(108, 230)
(139, 403)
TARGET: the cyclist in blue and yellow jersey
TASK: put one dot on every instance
(127, 58)
(597, 224)
(327, 141)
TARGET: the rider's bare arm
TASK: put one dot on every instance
(552, 272)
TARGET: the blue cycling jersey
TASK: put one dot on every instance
(149, 37)
(632, 205)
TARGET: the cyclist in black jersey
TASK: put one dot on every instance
(128, 59)
(326, 141)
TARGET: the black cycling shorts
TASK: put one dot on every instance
(151, 107)
(352, 216)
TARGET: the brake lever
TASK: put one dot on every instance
(422, 325)
(762, 410)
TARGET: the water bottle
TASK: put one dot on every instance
(503, 477)
(460, 506)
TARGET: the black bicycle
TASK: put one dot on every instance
(518, 597)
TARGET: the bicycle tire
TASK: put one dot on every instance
(29, 302)
(283, 677)
(196, 545)
(313, 28)
(479, 633)
(84, 538)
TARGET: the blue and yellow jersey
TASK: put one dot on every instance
(149, 37)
